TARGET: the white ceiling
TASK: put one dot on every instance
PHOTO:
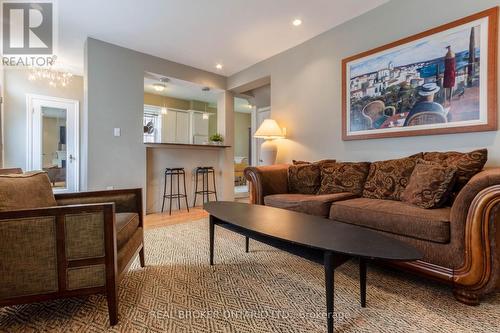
(200, 33)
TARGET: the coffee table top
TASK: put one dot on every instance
(312, 231)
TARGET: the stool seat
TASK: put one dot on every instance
(171, 195)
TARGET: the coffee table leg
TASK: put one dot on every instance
(362, 281)
(247, 244)
(329, 283)
(212, 230)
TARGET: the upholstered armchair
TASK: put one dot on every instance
(69, 245)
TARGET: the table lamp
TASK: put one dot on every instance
(269, 130)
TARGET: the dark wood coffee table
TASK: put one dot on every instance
(315, 238)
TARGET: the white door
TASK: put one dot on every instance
(53, 142)
(262, 114)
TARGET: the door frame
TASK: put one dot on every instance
(76, 135)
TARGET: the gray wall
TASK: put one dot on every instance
(262, 96)
(306, 84)
(17, 85)
(114, 84)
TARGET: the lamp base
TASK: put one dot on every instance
(268, 152)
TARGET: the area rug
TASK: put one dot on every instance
(265, 290)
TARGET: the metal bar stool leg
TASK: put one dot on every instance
(195, 188)
(203, 187)
(207, 189)
(185, 192)
(178, 192)
(164, 192)
(171, 185)
(215, 187)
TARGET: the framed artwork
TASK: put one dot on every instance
(440, 81)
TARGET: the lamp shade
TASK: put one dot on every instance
(269, 129)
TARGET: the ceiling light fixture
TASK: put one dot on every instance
(159, 87)
(55, 78)
(218, 66)
(297, 22)
(205, 116)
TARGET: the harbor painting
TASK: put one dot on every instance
(433, 83)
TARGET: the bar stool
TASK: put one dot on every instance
(174, 172)
(205, 190)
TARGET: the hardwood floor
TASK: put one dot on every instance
(182, 216)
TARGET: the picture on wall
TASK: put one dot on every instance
(436, 82)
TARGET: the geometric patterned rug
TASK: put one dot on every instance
(266, 290)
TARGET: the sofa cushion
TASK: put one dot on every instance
(318, 205)
(388, 179)
(126, 225)
(305, 177)
(343, 177)
(24, 191)
(429, 185)
(467, 164)
(395, 217)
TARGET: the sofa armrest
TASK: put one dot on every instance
(60, 249)
(475, 222)
(266, 180)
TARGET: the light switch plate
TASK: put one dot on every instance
(117, 131)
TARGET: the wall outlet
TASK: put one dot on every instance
(117, 131)
(110, 187)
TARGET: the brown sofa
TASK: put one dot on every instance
(460, 243)
(82, 244)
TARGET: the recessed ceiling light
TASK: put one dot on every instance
(297, 22)
(218, 66)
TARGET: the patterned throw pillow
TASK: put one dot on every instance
(343, 177)
(305, 177)
(467, 164)
(388, 179)
(429, 185)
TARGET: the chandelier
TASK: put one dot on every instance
(55, 78)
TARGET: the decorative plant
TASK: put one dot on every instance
(217, 137)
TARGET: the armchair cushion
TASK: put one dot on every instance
(28, 190)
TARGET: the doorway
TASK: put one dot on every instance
(53, 140)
